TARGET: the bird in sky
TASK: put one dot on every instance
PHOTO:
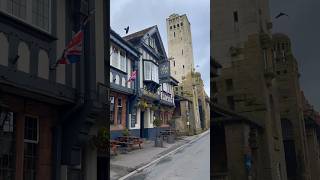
(126, 29)
(281, 14)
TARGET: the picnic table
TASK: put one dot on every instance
(129, 141)
(114, 144)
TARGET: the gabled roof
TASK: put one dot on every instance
(140, 37)
(138, 34)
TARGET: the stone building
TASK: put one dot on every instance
(48, 115)
(180, 45)
(312, 124)
(156, 94)
(242, 43)
(291, 109)
(182, 68)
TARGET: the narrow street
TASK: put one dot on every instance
(189, 163)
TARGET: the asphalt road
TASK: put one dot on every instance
(189, 163)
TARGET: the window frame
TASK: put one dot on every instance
(29, 13)
(38, 130)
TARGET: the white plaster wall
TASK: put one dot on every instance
(4, 49)
(23, 63)
(43, 64)
(60, 71)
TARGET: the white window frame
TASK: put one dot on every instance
(154, 71)
(28, 140)
(117, 60)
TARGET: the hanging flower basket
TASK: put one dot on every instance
(143, 105)
(101, 141)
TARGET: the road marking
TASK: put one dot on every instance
(164, 156)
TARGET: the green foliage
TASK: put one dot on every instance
(101, 140)
(125, 132)
(157, 122)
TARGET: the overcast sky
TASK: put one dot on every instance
(303, 28)
(140, 14)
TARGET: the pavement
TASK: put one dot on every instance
(170, 162)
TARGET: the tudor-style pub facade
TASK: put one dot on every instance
(124, 59)
(156, 93)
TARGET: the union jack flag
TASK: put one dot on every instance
(72, 52)
(133, 76)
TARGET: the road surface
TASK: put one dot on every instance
(189, 163)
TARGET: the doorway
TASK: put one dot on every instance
(141, 124)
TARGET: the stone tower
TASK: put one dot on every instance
(180, 46)
(241, 42)
(291, 110)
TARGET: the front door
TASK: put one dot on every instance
(141, 124)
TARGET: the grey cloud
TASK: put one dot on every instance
(303, 27)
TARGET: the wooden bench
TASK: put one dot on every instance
(130, 141)
(114, 145)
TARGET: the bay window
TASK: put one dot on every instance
(151, 71)
(34, 12)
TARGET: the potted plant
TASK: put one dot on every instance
(158, 140)
(101, 140)
(125, 132)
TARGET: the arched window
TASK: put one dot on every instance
(23, 63)
(117, 79)
(43, 64)
(4, 49)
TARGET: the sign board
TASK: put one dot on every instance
(164, 69)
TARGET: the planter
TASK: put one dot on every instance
(158, 142)
(171, 139)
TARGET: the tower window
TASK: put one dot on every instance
(235, 16)
(170, 27)
(181, 23)
(174, 26)
(174, 34)
(177, 25)
(183, 66)
(174, 63)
